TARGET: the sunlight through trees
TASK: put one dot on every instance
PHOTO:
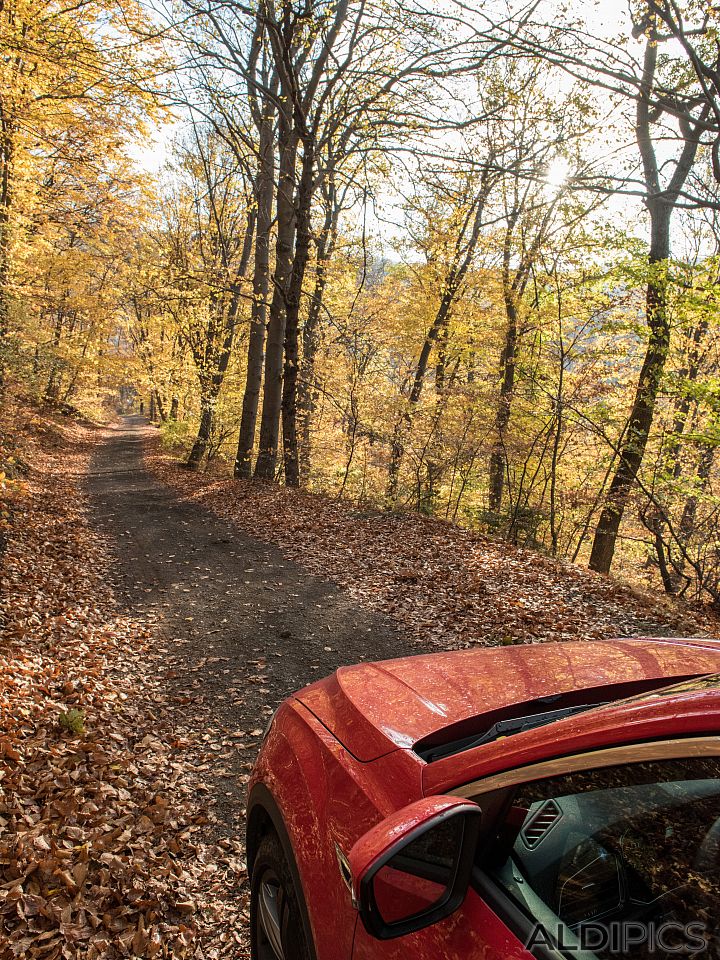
(445, 260)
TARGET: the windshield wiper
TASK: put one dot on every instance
(506, 728)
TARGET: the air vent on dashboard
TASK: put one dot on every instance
(542, 821)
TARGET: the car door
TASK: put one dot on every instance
(612, 859)
(473, 931)
(616, 854)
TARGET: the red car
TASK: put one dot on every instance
(551, 800)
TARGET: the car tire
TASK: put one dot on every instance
(277, 931)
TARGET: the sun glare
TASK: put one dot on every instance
(557, 172)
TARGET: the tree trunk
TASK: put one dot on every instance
(660, 202)
(6, 157)
(272, 389)
(261, 280)
(199, 448)
(159, 405)
(465, 245)
(555, 457)
(684, 402)
(689, 514)
(302, 254)
(641, 415)
(498, 459)
(307, 390)
(52, 388)
(397, 447)
(223, 316)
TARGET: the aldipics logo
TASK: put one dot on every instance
(621, 938)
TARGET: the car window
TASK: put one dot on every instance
(621, 862)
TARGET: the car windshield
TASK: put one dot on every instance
(622, 861)
(517, 718)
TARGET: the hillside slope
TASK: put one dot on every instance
(449, 587)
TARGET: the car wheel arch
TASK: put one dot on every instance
(259, 822)
(263, 816)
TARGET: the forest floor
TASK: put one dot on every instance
(242, 626)
(176, 635)
(175, 611)
(445, 587)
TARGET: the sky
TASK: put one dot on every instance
(605, 18)
(602, 16)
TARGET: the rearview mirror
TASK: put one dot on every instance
(413, 869)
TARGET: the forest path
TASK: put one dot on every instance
(243, 626)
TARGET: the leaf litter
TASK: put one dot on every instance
(106, 846)
(447, 587)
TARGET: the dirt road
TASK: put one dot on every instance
(243, 626)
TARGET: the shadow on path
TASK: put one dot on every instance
(243, 627)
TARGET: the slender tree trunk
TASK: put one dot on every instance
(641, 415)
(464, 252)
(159, 405)
(402, 428)
(557, 436)
(70, 389)
(6, 157)
(272, 388)
(687, 521)
(669, 577)
(217, 355)
(352, 435)
(210, 391)
(307, 390)
(52, 388)
(199, 448)
(684, 402)
(660, 202)
(302, 254)
(261, 280)
(498, 459)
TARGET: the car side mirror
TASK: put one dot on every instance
(413, 869)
